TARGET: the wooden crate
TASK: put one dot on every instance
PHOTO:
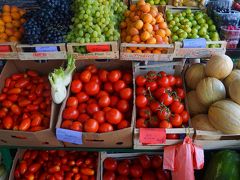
(42, 51)
(113, 53)
(8, 51)
(124, 55)
(174, 68)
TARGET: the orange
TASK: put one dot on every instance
(123, 34)
(147, 18)
(17, 34)
(138, 24)
(165, 39)
(141, 2)
(154, 8)
(22, 20)
(14, 9)
(7, 18)
(133, 31)
(156, 51)
(161, 32)
(9, 25)
(137, 51)
(129, 50)
(145, 36)
(153, 12)
(136, 38)
(2, 23)
(159, 18)
(13, 39)
(2, 29)
(128, 39)
(9, 32)
(168, 32)
(139, 13)
(15, 15)
(158, 39)
(3, 36)
(16, 23)
(131, 15)
(153, 21)
(135, 18)
(146, 51)
(145, 8)
(151, 40)
(127, 13)
(123, 24)
(2, 40)
(155, 27)
(133, 48)
(148, 27)
(133, 7)
(6, 8)
(22, 12)
(163, 25)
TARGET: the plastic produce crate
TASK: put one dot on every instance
(225, 19)
(220, 5)
(230, 34)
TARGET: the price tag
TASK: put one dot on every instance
(70, 136)
(152, 135)
(98, 48)
(46, 49)
(5, 49)
(195, 43)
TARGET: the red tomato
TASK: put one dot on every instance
(172, 136)
(82, 108)
(92, 101)
(72, 102)
(36, 120)
(85, 76)
(7, 103)
(127, 78)
(114, 75)
(99, 116)
(164, 114)
(34, 167)
(14, 91)
(92, 108)
(76, 126)
(105, 127)
(177, 107)
(157, 161)
(176, 120)
(14, 97)
(120, 177)
(95, 79)
(23, 167)
(15, 109)
(144, 112)
(109, 175)
(123, 124)
(32, 73)
(162, 74)
(108, 87)
(180, 93)
(178, 81)
(140, 80)
(92, 68)
(25, 124)
(82, 97)
(70, 113)
(91, 125)
(113, 116)
(151, 85)
(141, 101)
(165, 124)
(123, 106)
(103, 74)
(102, 93)
(151, 75)
(104, 101)
(185, 116)
(149, 175)
(83, 117)
(141, 123)
(172, 80)
(159, 91)
(136, 170)
(141, 91)
(3, 113)
(114, 100)
(110, 164)
(66, 124)
(123, 168)
(166, 99)
(118, 85)
(163, 81)
(155, 106)
(76, 86)
(162, 174)
(3, 96)
(92, 88)
(154, 122)
(126, 93)
(7, 122)
(145, 161)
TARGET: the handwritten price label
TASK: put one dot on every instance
(5, 48)
(70, 136)
(39, 54)
(98, 48)
(152, 136)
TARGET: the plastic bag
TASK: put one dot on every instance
(182, 159)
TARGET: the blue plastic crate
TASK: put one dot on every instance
(226, 19)
(224, 5)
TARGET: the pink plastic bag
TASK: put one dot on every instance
(182, 159)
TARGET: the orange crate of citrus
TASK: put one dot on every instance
(144, 24)
(11, 23)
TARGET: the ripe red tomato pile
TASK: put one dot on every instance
(100, 101)
(159, 101)
(143, 167)
(25, 102)
(57, 165)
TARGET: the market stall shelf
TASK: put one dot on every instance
(8, 51)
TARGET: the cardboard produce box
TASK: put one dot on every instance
(24, 138)
(115, 139)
